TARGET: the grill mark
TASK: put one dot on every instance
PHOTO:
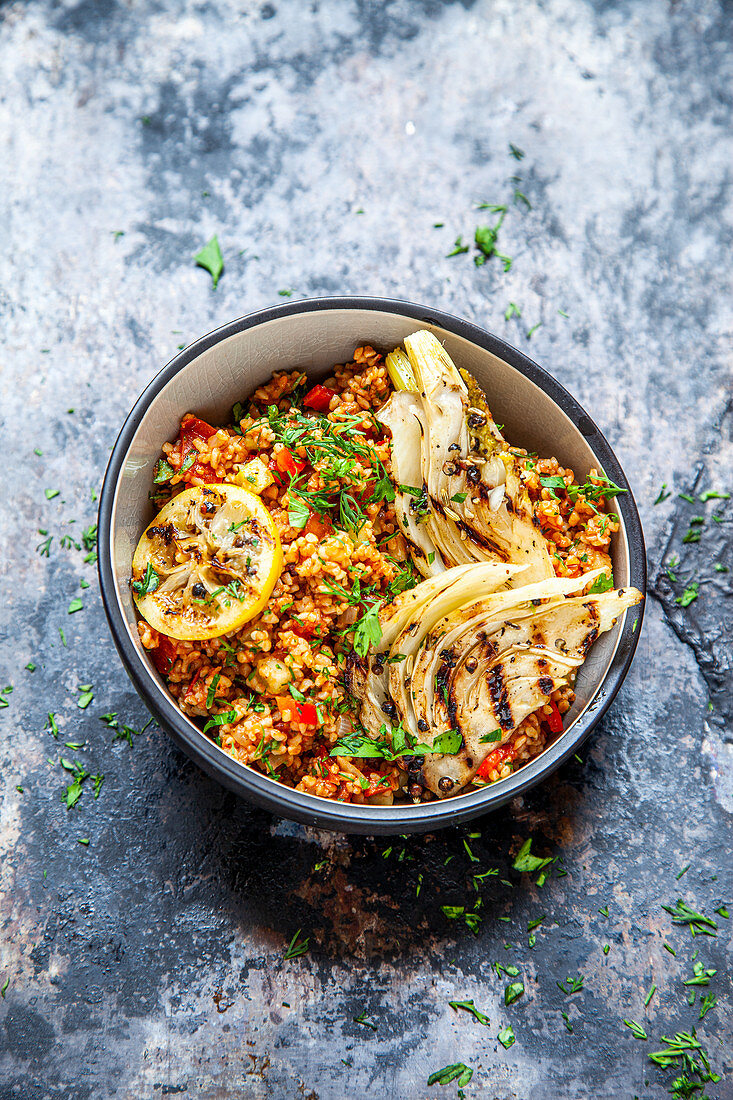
(499, 698)
(475, 536)
(593, 633)
(166, 532)
(355, 665)
(546, 685)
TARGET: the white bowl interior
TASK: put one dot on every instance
(229, 371)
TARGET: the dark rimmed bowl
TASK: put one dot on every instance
(210, 375)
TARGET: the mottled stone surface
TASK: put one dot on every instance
(150, 962)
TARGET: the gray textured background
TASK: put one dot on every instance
(151, 962)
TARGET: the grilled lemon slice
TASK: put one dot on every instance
(207, 563)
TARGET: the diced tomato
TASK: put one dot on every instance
(317, 526)
(499, 756)
(319, 398)
(164, 654)
(287, 463)
(304, 630)
(554, 720)
(303, 713)
(376, 785)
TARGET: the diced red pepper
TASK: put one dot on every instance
(319, 398)
(499, 756)
(164, 654)
(554, 720)
(302, 713)
(194, 430)
(287, 463)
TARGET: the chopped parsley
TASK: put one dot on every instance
(664, 493)
(458, 1072)
(224, 719)
(148, 583)
(506, 1037)
(689, 595)
(458, 248)
(367, 631)
(513, 992)
(210, 258)
(711, 494)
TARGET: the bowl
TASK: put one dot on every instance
(211, 374)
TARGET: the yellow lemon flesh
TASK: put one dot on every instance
(207, 563)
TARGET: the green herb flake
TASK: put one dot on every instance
(602, 583)
(75, 605)
(367, 631)
(4, 988)
(506, 1037)
(297, 947)
(85, 699)
(711, 494)
(649, 996)
(636, 1029)
(571, 985)
(210, 258)
(516, 152)
(513, 992)
(664, 494)
(682, 914)
(524, 861)
(687, 497)
(512, 310)
(212, 691)
(361, 1019)
(469, 1006)
(706, 1003)
(534, 328)
(458, 248)
(83, 840)
(689, 595)
(51, 493)
(458, 1072)
(148, 583)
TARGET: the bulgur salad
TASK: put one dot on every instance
(359, 588)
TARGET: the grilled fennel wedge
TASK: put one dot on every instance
(458, 492)
(462, 652)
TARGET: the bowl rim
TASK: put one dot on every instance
(310, 809)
